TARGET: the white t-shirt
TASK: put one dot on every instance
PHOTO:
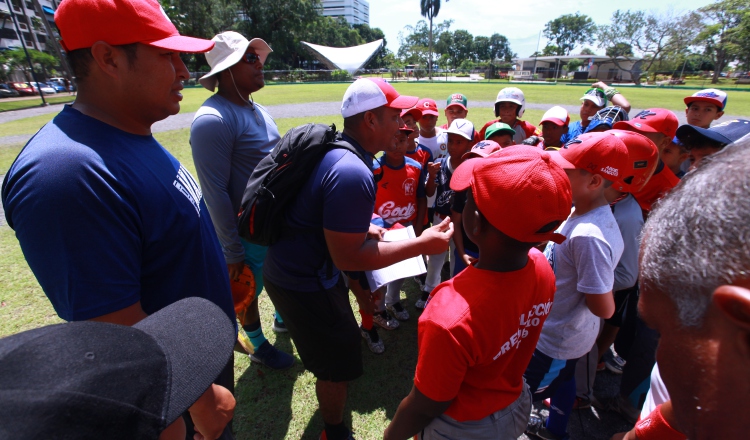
(657, 394)
(584, 264)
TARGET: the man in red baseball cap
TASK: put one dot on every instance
(123, 221)
(472, 355)
(302, 270)
(660, 126)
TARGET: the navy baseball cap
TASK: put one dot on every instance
(724, 133)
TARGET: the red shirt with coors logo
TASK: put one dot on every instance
(398, 190)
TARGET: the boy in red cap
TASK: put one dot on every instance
(584, 267)
(428, 133)
(480, 328)
(400, 198)
(554, 125)
(659, 125)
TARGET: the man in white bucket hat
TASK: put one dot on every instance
(230, 134)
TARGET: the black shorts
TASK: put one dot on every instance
(323, 329)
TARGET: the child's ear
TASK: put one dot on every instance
(718, 115)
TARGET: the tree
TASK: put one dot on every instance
(370, 34)
(722, 35)
(569, 30)
(429, 10)
(620, 50)
(415, 41)
(500, 48)
(482, 48)
(463, 43)
(649, 35)
(587, 51)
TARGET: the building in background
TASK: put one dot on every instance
(353, 11)
(33, 34)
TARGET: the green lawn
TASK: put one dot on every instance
(14, 105)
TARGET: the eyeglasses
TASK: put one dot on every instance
(251, 58)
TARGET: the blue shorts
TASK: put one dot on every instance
(254, 257)
(545, 374)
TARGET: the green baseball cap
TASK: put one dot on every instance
(456, 99)
(498, 127)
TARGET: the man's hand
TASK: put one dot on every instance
(435, 239)
(211, 412)
(235, 270)
(375, 232)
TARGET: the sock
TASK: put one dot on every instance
(255, 333)
(278, 318)
(337, 432)
(366, 320)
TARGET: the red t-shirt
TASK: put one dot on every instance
(421, 154)
(656, 187)
(398, 191)
(477, 335)
(527, 129)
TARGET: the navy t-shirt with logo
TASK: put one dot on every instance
(107, 218)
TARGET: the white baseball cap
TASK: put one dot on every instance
(462, 127)
(557, 115)
(370, 93)
(713, 96)
(229, 48)
(597, 96)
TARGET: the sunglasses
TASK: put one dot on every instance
(251, 58)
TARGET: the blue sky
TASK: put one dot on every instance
(519, 21)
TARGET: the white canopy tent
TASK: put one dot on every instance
(350, 59)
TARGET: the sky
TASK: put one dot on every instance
(520, 21)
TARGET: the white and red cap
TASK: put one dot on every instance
(557, 115)
(714, 96)
(652, 120)
(370, 93)
(482, 149)
(462, 127)
(117, 22)
(428, 107)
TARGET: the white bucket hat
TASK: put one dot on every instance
(229, 48)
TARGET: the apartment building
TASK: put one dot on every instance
(353, 11)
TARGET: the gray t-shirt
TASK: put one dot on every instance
(228, 142)
(584, 264)
(629, 219)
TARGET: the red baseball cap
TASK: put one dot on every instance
(428, 106)
(599, 153)
(652, 120)
(482, 149)
(370, 93)
(414, 111)
(405, 129)
(519, 190)
(84, 22)
(644, 157)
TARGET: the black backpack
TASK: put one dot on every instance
(279, 177)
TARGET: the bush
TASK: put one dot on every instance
(419, 73)
(299, 75)
(340, 75)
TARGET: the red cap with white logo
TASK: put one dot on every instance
(428, 107)
(600, 153)
(652, 120)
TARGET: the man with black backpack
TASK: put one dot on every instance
(327, 227)
(229, 135)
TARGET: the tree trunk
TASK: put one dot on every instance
(429, 63)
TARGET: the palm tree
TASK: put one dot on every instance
(430, 9)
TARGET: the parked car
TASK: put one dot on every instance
(57, 86)
(7, 91)
(47, 90)
(23, 89)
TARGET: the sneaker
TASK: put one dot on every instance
(398, 311)
(272, 357)
(600, 366)
(422, 302)
(373, 340)
(622, 406)
(580, 403)
(536, 428)
(279, 327)
(615, 364)
(385, 320)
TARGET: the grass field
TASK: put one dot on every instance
(275, 405)
(26, 103)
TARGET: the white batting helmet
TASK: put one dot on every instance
(514, 95)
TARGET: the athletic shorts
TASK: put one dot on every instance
(507, 424)
(323, 329)
(545, 374)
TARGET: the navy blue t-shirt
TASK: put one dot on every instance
(339, 196)
(443, 191)
(107, 218)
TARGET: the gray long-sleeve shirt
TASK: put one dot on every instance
(228, 142)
